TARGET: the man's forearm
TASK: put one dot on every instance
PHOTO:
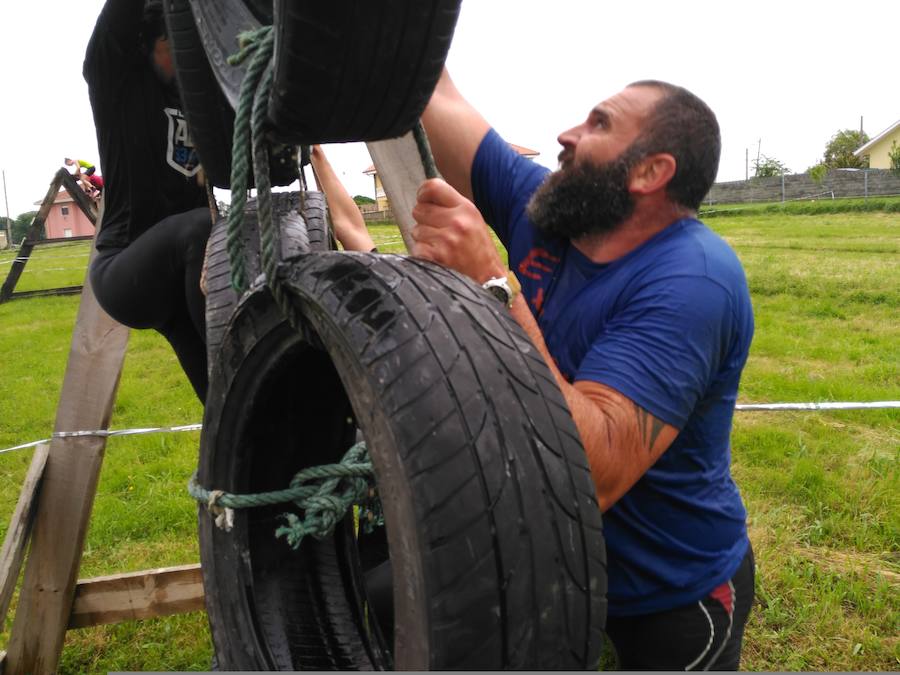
(620, 439)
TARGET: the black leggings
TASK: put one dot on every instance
(705, 635)
(154, 282)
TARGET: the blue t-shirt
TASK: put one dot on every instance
(669, 326)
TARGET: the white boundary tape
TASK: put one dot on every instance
(817, 406)
(107, 433)
(197, 427)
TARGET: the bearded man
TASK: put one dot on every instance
(643, 315)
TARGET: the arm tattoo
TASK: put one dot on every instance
(649, 426)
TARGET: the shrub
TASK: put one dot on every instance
(818, 173)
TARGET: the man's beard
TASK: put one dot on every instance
(583, 200)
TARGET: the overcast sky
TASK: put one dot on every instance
(788, 73)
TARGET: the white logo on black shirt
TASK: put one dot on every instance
(181, 154)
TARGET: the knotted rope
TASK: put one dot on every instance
(324, 493)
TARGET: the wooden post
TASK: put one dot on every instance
(67, 494)
(400, 167)
(13, 552)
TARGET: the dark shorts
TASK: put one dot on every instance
(705, 635)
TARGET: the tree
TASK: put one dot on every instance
(894, 155)
(839, 151)
(360, 199)
(20, 226)
(768, 166)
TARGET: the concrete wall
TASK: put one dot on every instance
(875, 182)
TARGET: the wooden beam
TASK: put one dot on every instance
(138, 595)
(62, 240)
(400, 168)
(13, 552)
(87, 205)
(68, 490)
(39, 293)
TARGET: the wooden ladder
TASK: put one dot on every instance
(35, 232)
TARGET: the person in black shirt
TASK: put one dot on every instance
(156, 218)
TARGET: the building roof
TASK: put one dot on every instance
(525, 152)
(522, 150)
(868, 146)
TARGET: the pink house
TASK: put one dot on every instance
(66, 219)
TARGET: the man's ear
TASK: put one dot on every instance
(652, 173)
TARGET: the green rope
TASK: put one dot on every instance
(324, 493)
(268, 227)
(424, 148)
(256, 45)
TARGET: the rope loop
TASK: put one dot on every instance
(325, 494)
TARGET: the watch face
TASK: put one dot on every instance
(500, 293)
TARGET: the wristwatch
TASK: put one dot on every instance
(505, 289)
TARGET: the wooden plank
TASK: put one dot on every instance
(63, 240)
(13, 552)
(138, 595)
(63, 290)
(400, 168)
(67, 494)
(15, 271)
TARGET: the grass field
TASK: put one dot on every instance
(822, 489)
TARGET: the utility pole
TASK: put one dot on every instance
(746, 163)
(6, 201)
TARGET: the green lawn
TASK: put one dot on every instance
(50, 266)
(822, 488)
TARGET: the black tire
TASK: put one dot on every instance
(303, 228)
(350, 70)
(493, 527)
(209, 86)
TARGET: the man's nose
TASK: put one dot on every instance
(568, 140)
